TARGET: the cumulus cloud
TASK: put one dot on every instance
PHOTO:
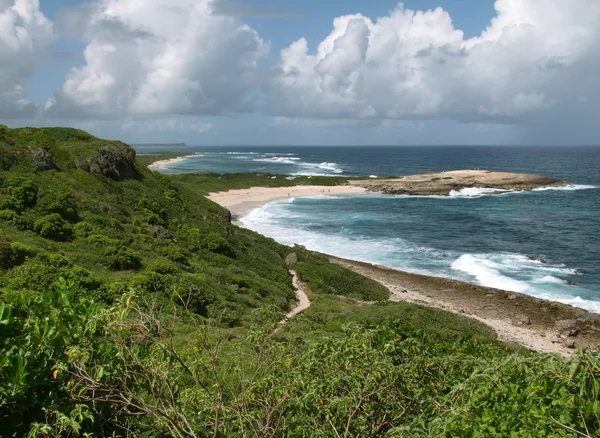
(537, 61)
(160, 57)
(25, 36)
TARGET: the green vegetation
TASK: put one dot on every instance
(207, 183)
(131, 306)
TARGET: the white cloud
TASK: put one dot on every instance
(25, 36)
(538, 60)
(161, 57)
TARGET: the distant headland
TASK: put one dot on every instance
(445, 183)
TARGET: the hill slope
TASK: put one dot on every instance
(131, 306)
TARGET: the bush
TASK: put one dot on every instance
(9, 203)
(5, 251)
(102, 241)
(53, 227)
(124, 259)
(173, 253)
(82, 230)
(218, 244)
(163, 267)
(23, 190)
(21, 252)
(8, 216)
(57, 201)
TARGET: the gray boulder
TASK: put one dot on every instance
(42, 159)
(291, 259)
(116, 161)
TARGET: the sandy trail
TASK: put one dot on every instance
(301, 298)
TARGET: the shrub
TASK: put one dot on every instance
(218, 244)
(9, 203)
(123, 258)
(23, 190)
(21, 252)
(5, 251)
(83, 230)
(57, 201)
(53, 227)
(173, 253)
(102, 241)
(163, 267)
(8, 216)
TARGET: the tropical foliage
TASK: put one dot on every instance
(131, 306)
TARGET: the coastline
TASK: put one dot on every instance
(164, 164)
(536, 324)
(241, 201)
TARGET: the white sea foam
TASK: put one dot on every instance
(487, 273)
(474, 192)
(513, 272)
(569, 187)
(278, 160)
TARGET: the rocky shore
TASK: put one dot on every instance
(444, 183)
(534, 323)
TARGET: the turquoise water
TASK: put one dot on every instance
(544, 243)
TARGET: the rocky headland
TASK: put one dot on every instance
(444, 183)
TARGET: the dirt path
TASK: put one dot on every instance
(301, 298)
(534, 323)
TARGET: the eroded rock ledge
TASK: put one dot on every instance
(444, 183)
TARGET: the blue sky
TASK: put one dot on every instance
(284, 72)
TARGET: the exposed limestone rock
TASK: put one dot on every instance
(42, 159)
(291, 259)
(115, 161)
(444, 183)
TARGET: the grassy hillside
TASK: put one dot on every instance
(131, 306)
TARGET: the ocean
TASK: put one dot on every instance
(544, 243)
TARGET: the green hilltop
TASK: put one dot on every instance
(130, 305)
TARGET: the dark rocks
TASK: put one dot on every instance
(228, 217)
(42, 159)
(574, 333)
(115, 161)
(291, 259)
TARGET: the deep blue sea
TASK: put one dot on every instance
(531, 242)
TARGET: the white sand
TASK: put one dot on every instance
(164, 164)
(240, 201)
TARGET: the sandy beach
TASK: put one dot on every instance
(164, 164)
(536, 324)
(241, 201)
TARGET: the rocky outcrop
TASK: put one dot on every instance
(291, 259)
(116, 161)
(444, 183)
(42, 159)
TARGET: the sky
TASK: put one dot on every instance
(291, 72)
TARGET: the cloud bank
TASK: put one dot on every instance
(26, 36)
(534, 67)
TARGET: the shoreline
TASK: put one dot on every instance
(164, 164)
(241, 201)
(536, 324)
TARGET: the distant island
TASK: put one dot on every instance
(167, 145)
(444, 183)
